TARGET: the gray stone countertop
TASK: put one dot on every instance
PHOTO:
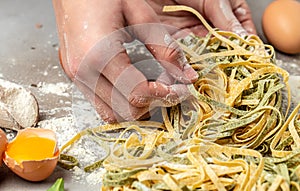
(29, 57)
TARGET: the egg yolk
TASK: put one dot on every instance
(31, 148)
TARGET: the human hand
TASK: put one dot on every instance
(229, 15)
(92, 33)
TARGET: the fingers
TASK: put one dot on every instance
(221, 15)
(126, 90)
(243, 13)
(111, 105)
(230, 15)
(97, 62)
(133, 85)
(105, 112)
(158, 40)
(106, 85)
(164, 95)
(165, 78)
(198, 30)
(117, 102)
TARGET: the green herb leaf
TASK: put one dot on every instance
(58, 185)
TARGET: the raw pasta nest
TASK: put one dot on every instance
(232, 135)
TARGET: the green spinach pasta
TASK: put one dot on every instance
(233, 134)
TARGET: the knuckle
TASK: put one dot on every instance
(172, 52)
(106, 115)
(137, 100)
(108, 119)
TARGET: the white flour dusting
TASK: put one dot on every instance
(85, 150)
(80, 115)
(60, 88)
(241, 11)
(63, 127)
(19, 103)
(95, 178)
(295, 88)
(55, 111)
(292, 67)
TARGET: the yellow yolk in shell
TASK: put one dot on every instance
(31, 148)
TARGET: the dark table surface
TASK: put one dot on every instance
(29, 57)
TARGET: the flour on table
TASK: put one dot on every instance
(62, 126)
(294, 82)
(60, 88)
(292, 67)
(79, 115)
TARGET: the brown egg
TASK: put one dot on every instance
(33, 154)
(3, 143)
(281, 25)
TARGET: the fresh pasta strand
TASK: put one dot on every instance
(231, 135)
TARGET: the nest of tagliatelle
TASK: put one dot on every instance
(233, 135)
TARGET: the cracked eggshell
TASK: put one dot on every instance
(3, 144)
(33, 154)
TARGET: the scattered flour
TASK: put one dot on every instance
(56, 110)
(292, 67)
(294, 82)
(77, 173)
(63, 127)
(85, 150)
(95, 178)
(60, 88)
(80, 115)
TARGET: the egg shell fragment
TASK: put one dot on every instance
(29, 168)
(3, 143)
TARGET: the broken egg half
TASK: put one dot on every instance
(3, 143)
(32, 154)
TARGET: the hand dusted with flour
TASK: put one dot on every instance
(93, 55)
(228, 15)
